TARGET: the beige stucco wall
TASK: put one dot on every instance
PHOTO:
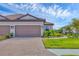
(21, 23)
(48, 26)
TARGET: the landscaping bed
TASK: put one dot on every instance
(62, 43)
(4, 37)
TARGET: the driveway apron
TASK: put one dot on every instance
(24, 47)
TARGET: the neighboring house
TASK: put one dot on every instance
(23, 25)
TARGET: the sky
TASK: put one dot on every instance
(61, 14)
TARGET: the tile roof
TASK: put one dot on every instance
(48, 23)
(17, 17)
(14, 16)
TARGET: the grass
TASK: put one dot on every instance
(3, 37)
(70, 55)
(64, 43)
(6, 36)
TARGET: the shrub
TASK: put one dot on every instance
(69, 35)
(57, 35)
(6, 36)
(52, 33)
(46, 33)
(9, 35)
(72, 35)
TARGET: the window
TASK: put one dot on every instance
(47, 28)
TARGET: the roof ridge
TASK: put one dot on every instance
(4, 17)
(32, 16)
(19, 16)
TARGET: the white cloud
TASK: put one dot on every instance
(20, 8)
(57, 11)
(15, 10)
(63, 13)
(34, 7)
(51, 11)
(24, 7)
(54, 10)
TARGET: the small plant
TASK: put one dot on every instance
(46, 33)
(6, 36)
(9, 35)
(52, 33)
(57, 35)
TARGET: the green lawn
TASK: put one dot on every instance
(2, 37)
(70, 55)
(65, 43)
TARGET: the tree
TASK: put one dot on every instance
(75, 23)
(71, 30)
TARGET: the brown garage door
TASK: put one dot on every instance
(28, 31)
(4, 30)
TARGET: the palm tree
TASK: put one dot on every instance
(75, 24)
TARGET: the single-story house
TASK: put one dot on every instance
(23, 25)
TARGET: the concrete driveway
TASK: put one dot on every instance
(23, 47)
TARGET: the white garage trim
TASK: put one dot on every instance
(42, 30)
(22, 23)
(14, 24)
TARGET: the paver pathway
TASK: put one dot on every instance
(23, 47)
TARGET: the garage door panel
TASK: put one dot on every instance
(4, 30)
(28, 31)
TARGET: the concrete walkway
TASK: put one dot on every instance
(23, 47)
